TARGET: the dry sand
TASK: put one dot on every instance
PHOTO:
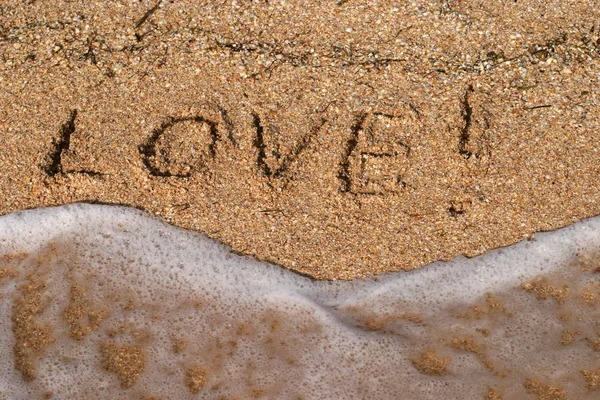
(338, 139)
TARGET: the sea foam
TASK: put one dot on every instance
(108, 302)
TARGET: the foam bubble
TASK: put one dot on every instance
(107, 302)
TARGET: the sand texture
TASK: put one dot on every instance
(338, 139)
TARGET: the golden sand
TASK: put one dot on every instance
(340, 140)
(127, 362)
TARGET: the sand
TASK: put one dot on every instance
(340, 140)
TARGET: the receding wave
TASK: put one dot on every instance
(108, 302)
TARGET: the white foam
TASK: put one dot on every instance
(254, 329)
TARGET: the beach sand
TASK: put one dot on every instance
(337, 139)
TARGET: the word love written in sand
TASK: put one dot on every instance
(373, 159)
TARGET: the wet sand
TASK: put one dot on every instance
(340, 140)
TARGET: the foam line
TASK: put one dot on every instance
(108, 302)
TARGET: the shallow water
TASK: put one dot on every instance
(108, 302)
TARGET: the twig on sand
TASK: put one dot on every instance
(148, 14)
